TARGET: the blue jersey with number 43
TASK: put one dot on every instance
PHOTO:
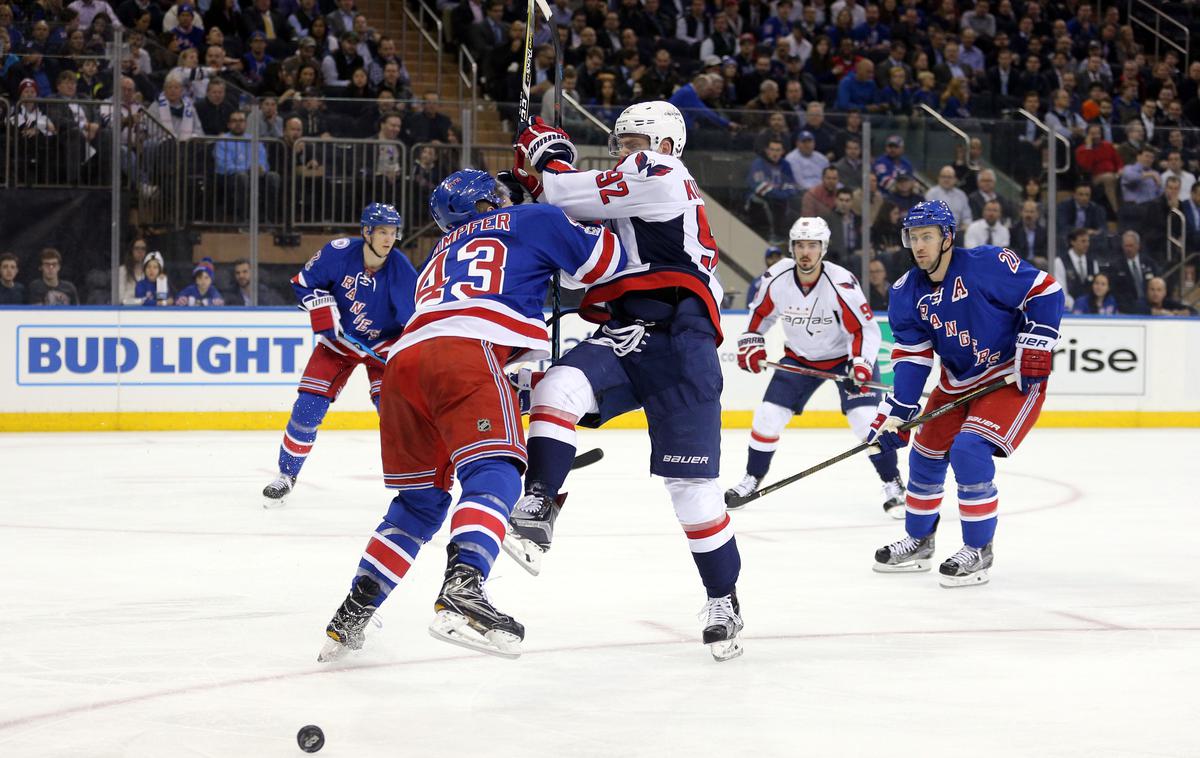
(970, 319)
(488, 278)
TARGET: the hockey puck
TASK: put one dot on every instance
(310, 738)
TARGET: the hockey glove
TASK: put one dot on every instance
(542, 143)
(890, 416)
(323, 312)
(860, 373)
(1035, 355)
(516, 189)
(528, 182)
(752, 352)
(523, 382)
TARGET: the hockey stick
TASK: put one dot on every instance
(987, 389)
(827, 375)
(587, 458)
(556, 282)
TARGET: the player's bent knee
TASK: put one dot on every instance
(567, 390)
(496, 479)
(770, 419)
(860, 419)
(971, 458)
(696, 501)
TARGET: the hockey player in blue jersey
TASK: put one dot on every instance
(358, 294)
(987, 314)
(656, 350)
(448, 410)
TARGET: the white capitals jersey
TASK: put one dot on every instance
(654, 205)
(822, 327)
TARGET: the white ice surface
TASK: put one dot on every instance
(150, 607)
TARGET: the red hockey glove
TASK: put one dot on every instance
(542, 143)
(752, 352)
(1035, 355)
(323, 312)
(885, 430)
(860, 373)
(528, 182)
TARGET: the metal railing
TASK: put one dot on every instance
(57, 142)
(435, 43)
(966, 138)
(331, 181)
(1178, 241)
(4, 156)
(1052, 172)
(1156, 29)
(216, 176)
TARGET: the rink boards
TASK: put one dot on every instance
(64, 369)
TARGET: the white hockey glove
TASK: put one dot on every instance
(752, 352)
(860, 373)
(890, 416)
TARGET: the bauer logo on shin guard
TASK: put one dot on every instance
(693, 459)
(483, 425)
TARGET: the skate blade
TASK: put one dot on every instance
(911, 567)
(896, 511)
(455, 629)
(524, 552)
(953, 582)
(332, 651)
(726, 650)
(270, 502)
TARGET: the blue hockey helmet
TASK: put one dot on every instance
(774, 250)
(380, 214)
(928, 213)
(453, 201)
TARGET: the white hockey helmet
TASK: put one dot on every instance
(810, 228)
(656, 120)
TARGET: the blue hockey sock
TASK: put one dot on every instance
(758, 462)
(978, 500)
(412, 519)
(549, 463)
(307, 414)
(885, 465)
(490, 489)
(926, 479)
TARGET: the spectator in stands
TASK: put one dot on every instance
(267, 120)
(11, 291)
(897, 97)
(1135, 140)
(388, 153)
(878, 287)
(824, 133)
(859, 90)
(926, 92)
(1157, 222)
(980, 20)
(225, 15)
(721, 42)
(903, 193)
(176, 112)
(337, 68)
(256, 62)
(489, 33)
(189, 71)
(152, 289)
(773, 255)
(312, 114)
(955, 98)
(1100, 163)
(233, 163)
(302, 17)
(985, 192)
(129, 11)
(424, 179)
(1191, 211)
(187, 33)
(771, 187)
(1079, 212)
(427, 124)
(820, 199)
(201, 291)
(660, 80)
(1097, 299)
(74, 128)
(129, 273)
(243, 280)
(845, 226)
(1131, 273)
(275, 27)
(805, 162)
(872, 36)
(762, 106)
(215, 109)
(775, 130)
(49, 289)
(988, 230)
(948, 192)
(1175, 168)
(951, 66)
(885, 238)
(1029, 237)
(1158, 304)
(694, 26)
(1062, 119)
(1077, 267)
(89, 9)
(1140, 183)
(850, 165)
(892, 163)
(689, 99)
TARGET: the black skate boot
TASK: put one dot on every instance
(893, 493)
(275, 494)
(722, 623)
(908, 554)
(345, 630)
(466, 617)
(531, 528)
(967, 567)
(739, 494)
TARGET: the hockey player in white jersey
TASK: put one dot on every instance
(656, 348)
(828, 327)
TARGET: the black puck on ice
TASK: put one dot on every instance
(310, 738)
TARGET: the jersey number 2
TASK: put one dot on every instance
(611, 185)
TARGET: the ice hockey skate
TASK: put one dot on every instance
(531, 529)
(893, 492)
(276, 493)
(466, 617)
(345, 629)
(739, 494)
(722, 624)
(908, 554)
(969, 566)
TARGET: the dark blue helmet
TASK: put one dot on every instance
(774, 250)
(928, 213)
(453, 201)
(379, 214)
